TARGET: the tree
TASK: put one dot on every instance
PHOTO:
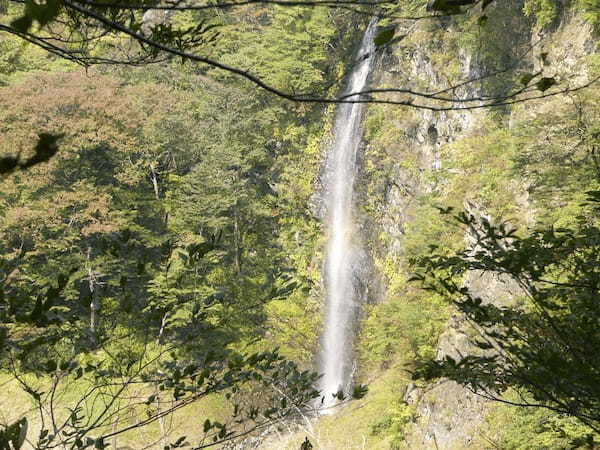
(130, 391)
(92, 32)
(166, 277)
(106, 285)
(544, 346)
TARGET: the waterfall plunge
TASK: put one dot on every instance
(342, 252)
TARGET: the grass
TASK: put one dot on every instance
(16, 403)
(352, 426)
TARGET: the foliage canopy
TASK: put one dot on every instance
(545, 343)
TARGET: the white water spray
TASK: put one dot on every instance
(342, 252)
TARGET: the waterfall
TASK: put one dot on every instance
(342, 258)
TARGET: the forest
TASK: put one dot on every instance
(208, 207)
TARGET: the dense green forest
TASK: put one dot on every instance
(162, 233)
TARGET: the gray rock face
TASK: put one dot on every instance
(447, 415)
(448, 418)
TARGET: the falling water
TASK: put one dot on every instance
(341, 266)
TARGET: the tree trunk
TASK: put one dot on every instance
(95, 299)
(154, 178)
(162, 329)
(236, 243)
(161, 421)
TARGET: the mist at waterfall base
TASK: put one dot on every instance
(342, 258)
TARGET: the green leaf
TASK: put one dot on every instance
(45, 149)
(545, 83)
(526, 79)
(359, 391)
(445, 6)
(13, 436)
(47, 12)
(416, 277)
(22, 24)
(8, 164)
(384, 36)
(485, 4)
(42, 13)
(46, 146)
(179, 442)
(306, 445)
